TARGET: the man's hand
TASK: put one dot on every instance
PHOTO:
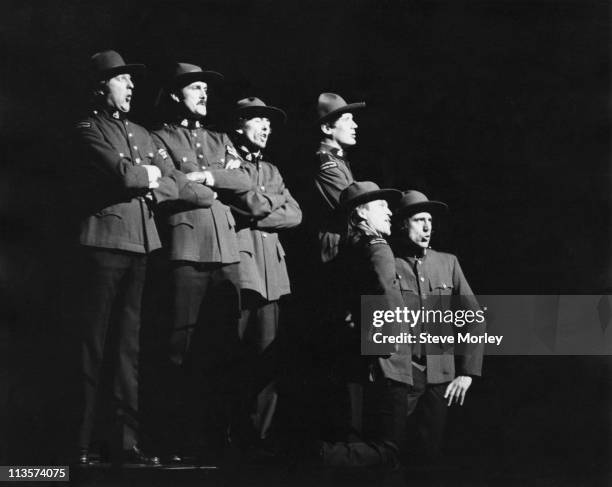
(209, 180)
(233, 164)
(195, 176)
(153, 174)
(457, 389)
(204, 177)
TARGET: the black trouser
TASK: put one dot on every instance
(108, 310)
(202, 344)
(385, 421)
(427, 411)
(258, 329)
(394, 411)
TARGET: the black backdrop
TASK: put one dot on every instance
(500, 108)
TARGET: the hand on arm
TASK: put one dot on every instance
(153, 173)
(288, 215)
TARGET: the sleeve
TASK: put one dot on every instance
(469, 362)
(259, 204)
(287, 215)
(105, 158)
(231, 180)
(331, 181)
(383, 265)
(194, 193)
(168, 183)
(385, 283)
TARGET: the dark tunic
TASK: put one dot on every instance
(332, 177)
(200, 232)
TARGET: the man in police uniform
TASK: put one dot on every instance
(437, 378)
(339, 132)
(263, 271)
(333, 174)
(203, 251)
(371, 382)
(122, 176)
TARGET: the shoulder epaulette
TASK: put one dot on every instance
(376, 241)
(83, 124)
(328, 165)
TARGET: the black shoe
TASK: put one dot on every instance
(177, 459)
(86, 459)
(135, 456)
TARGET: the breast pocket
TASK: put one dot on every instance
(440, 287)
(406, 284)
(185, 162)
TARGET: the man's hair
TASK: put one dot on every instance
(239, 122)
(99, 88)
(356, 226)
(331, 123)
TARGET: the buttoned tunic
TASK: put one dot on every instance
(116, 195)
(332, 177)
(369, 269)
(422, 279)
(262, 258)
(199, 231)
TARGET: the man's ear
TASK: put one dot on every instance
(326, 128)
(362, 211)
(239, 124)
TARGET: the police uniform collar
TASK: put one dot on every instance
(254, 157)
(334, 151)
(410, 250)
(190, 123)
(116, 114)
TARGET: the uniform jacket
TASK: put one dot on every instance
(332, 177)
(421, 279)
(369, 269)
(262, 258)
(201, 230)
(113, 186)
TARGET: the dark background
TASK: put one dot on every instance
(499, 108)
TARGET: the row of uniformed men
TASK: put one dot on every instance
(223, 205)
